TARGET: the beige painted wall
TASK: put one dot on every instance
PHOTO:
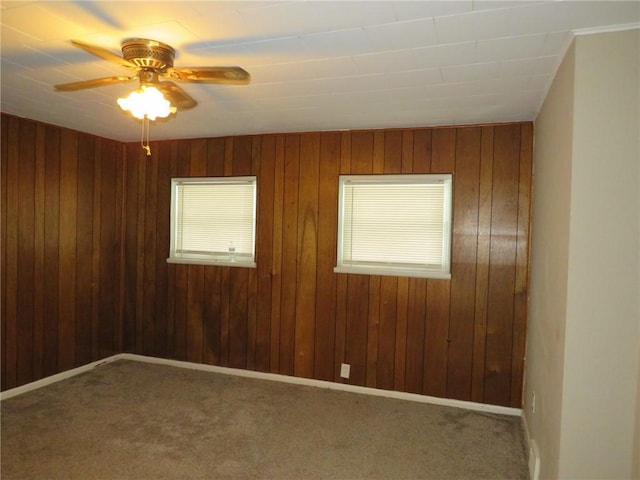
(601, 349)
(584, 336)
(549, 266)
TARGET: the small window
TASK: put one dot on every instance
(213, 221)
(395, 225)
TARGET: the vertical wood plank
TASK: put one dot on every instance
(325, 301)
(422, 151)
(276, 265)
(357, 321)
(400, 366)
(252, 294)
(143, 166)
(161, 248)
(373, 331)
(388, 327)
(307, 242)
(416, 314)
(522, 264)
(504, 224)
(171, 268)
(406, 165)
(436, 338)
(342, 279)
(183, 166)
(238, 312)
(67, 241)
(180, 312)
(289, 253)
(341, 326)
(195, 313)
(356, 327)
(242, 155)
(96, 280)
(4, 130)
(115, 343)
(212, 313)
(482, 263)
(26, 245)
(225, 326)
(199, 157)
(393, 152)
(443, 150)
(229, 144)
(212, 331)
(388, 310)
(196, 287)
(443, 143)
(264, 251)
(10, 317)
(84, 245)
(38, 252)
(361, 153)
(378, 152)
(463, 275)
(215, 157)
(111, 176)
(239, 277)
(130, 239)
(51, 251)
(148, 319)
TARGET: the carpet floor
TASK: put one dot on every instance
(135, 420)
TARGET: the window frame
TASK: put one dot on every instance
(211, 259)
(398, 269)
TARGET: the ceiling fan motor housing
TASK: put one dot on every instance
(145, 53)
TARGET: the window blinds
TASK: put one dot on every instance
(395, 221)
(215, 215)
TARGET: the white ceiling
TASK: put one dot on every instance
(324, 65)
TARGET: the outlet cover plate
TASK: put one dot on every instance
(345, 370)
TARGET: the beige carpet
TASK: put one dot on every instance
(132, 420)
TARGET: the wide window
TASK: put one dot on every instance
(213, 221)
(395, 225)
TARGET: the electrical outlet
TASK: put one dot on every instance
(345, 370)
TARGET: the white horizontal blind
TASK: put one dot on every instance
(212, 215)
(393, 221)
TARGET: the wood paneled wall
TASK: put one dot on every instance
(461, 338)
(61, 215)
(85, 237)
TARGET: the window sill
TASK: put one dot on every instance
(393, 272)
(212, 261)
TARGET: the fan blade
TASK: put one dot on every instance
(177, 96)
(104, 54)
(225, 75)
(97, 82)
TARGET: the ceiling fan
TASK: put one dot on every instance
(153, 60)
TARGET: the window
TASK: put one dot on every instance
(213, 221)
(395, 225)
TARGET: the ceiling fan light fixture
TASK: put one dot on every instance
(147, 102)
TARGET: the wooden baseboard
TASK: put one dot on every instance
(55, 378)
(533, 454)
(481, 407)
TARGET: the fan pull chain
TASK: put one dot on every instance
(146, 148)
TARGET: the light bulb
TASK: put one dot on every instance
(148, 102)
